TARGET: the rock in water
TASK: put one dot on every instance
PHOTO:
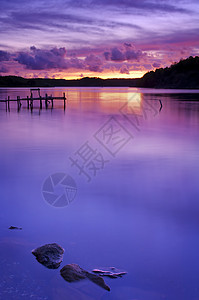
(15, 227)
(49, 255)
(74, 272)
(98, 280)
(114, 273)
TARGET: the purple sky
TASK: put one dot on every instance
(112, 38)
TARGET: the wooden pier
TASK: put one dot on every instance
(29, 100)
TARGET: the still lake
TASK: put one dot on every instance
(136, 169)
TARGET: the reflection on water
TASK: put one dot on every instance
(139, 213)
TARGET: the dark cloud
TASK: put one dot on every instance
(107, 55)
(3, 69)
(4, 56)
(147, 66)
(38, 59)
(156, 65)
(55, 58)
(117, 55)
(132, 54)
(76, 63)
(127, 45)
(126, 54)
(94, 63)
(124, 70)
(122, 58)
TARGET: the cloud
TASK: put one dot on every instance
(94, 63)
(38, 20)
(117, 55)
(127, 44)
(118, 59)
(156, 65)
(149, 5)
(124, 70)
(76, 63)
(134, 55)
(38, 59)
(4, 55)
(125, 54)
(3, 69)
(144, 5)
(55, 58)
(107, 55)
(94, 23)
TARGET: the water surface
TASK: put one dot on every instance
(140, 213)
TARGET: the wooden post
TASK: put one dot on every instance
(31, 101)
(18, 103)
(160, 105)
(8, 103)
(52, 100)
(40, 102)
(46, 101)
(27, 102)
(64, 101)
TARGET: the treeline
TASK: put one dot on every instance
(14, 81)
(184, 74)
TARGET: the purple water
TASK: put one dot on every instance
(140, 213)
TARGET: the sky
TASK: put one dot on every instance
(95, 38)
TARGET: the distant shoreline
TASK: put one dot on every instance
(14, 81)
(20, 82)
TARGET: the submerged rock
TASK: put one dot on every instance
(15, 227)
(114, 273)
(49, 255)
(74, 272)
(98, 280)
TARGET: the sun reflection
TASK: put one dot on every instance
(108, 100)
(134, 103)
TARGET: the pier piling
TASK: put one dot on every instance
(27, 102)
(18, 103)
(46, 101)
(40, 99)
(64, 101)
(8, 103)
(30, 101)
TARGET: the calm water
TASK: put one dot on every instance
(140, 213)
